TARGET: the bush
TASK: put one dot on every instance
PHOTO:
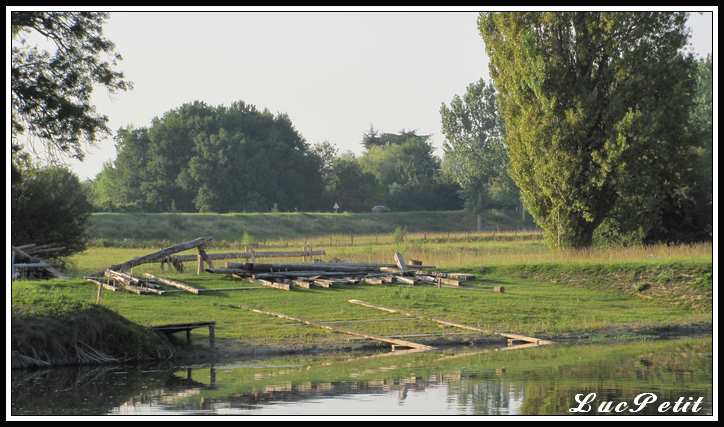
(49, 205)
(398, 236)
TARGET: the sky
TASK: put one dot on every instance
(335, 74)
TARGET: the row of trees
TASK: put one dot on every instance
(237, 158)
(599, 123)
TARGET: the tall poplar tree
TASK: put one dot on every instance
(595, 105)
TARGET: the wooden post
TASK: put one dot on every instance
(212, 335)
(188, 336)
(200, 264)
(99, 294)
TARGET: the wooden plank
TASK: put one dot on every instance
(53, 271)
(306, 284)
(238, 271)
(254, 254)
(394, 342)
(404, 313)
(323, 283)
(406, 280)
(103, 284)
(373, 281)
(131, 284)
(439, 281)
(36, 251)
(514, 337)
(461, 276)
(172, 283)
(277, 285)
(160, 254)
(31, 265)
(400, 261)
(532, 340)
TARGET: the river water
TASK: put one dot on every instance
(460, 381)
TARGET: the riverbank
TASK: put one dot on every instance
(550, 301)
(532, 381)
(50, 329)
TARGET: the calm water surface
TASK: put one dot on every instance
(453, 382)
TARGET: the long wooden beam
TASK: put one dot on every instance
(160, 254)
(512, 337)
(172, 283)
(260, 254)
(394, 342)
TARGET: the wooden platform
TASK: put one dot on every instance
(188, 327)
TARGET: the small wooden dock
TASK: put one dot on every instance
(188, 327)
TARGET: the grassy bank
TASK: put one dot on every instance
(129, 229)
(51, 327)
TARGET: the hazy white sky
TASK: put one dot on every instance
(335, 74)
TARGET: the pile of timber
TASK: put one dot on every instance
(147, 285)
(28, 264)
(325, 275)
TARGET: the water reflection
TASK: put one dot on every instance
(539, 381)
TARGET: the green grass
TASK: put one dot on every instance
(548, 293)
(531, 306)
(134, 229)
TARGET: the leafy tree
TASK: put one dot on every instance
(475, 151)
(50, 205)
(373, 138)
(408, 175)
(203, 158)
(595, 105)
(680, 207)
(351, 187)
(51, 88)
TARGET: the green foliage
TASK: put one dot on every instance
(49, 205)
(211, 159)
(475, 152)
(247, 239)
(408, 175)
(353, 189)
(375, 138)
(399, 235)
(675, 204)
(595, 106)
(51, 90)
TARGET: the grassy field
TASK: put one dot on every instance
(134, 229)
(594, 294)
(601, 291)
